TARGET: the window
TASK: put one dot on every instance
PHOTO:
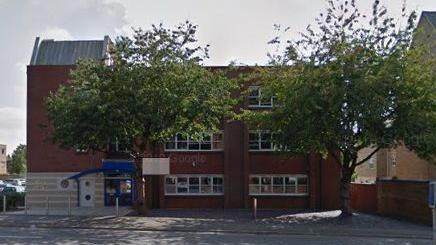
(394, 158)
(372, 161)
(209, 142)
(255, 98)
(260, 140)
(119, 145)
(3, 151)
(194, 185)
(286, 185)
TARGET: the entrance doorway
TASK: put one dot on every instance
(118, 186)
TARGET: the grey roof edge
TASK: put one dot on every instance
(35, 51)
(67, 52)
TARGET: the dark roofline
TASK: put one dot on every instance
(425, 14)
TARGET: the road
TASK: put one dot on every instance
(104, 236)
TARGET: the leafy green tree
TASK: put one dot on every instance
(350, 83)
(153, 88)
(17, 163)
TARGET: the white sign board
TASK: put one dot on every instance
(155, 166)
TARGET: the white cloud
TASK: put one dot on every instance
(12, 123)
(56, 33)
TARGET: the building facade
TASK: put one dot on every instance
(3, 160)
(226, 170)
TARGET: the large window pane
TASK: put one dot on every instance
(277, 185)
(182, 185)
(206, 185)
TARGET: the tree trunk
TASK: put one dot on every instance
(347, 173)
(139, 204)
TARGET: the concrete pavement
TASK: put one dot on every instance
(317, 224)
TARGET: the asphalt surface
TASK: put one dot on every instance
(31, 235)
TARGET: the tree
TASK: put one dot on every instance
(154, 87)
(350, 83)
(17, 162)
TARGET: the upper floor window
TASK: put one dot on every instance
(260, 140)
(278, 185)
(372, 161)
(209, 142)
(119, 145)
(256, 100)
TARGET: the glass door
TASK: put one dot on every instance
(121, 188)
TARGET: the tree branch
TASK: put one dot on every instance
(367, 157)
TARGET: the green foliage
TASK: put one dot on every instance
(352, 82)
(153, 88)
(17, 164)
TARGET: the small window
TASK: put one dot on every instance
(259, 140)
(119, 145)
(372, 161)
(394, 158)
(256, 100)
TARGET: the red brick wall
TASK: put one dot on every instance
(193, 202)
(364, 198)
(405, 199)
(42, 156)
(281, 202)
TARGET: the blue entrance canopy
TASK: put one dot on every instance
(109, 166)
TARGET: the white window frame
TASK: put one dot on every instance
(259, 104)
(259, 185)
(117, 146)
(259, 143)
(372, 161)
(189, 141)
(199, 176)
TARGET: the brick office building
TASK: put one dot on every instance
(225, 170)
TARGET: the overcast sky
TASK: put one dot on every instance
(237, 30)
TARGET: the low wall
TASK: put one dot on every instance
(404, 199)
(364, 198)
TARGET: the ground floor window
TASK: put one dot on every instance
(194, 185)
(278, 185)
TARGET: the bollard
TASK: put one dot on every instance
(47, 207)
(434, 225)
(69, 204)
(25, 204)
(4, 203)
(116, 207)
(254, 208)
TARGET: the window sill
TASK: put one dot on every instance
(280, 194)
(263, 150)
(218, 150)
(259, 107)
(194, 194)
